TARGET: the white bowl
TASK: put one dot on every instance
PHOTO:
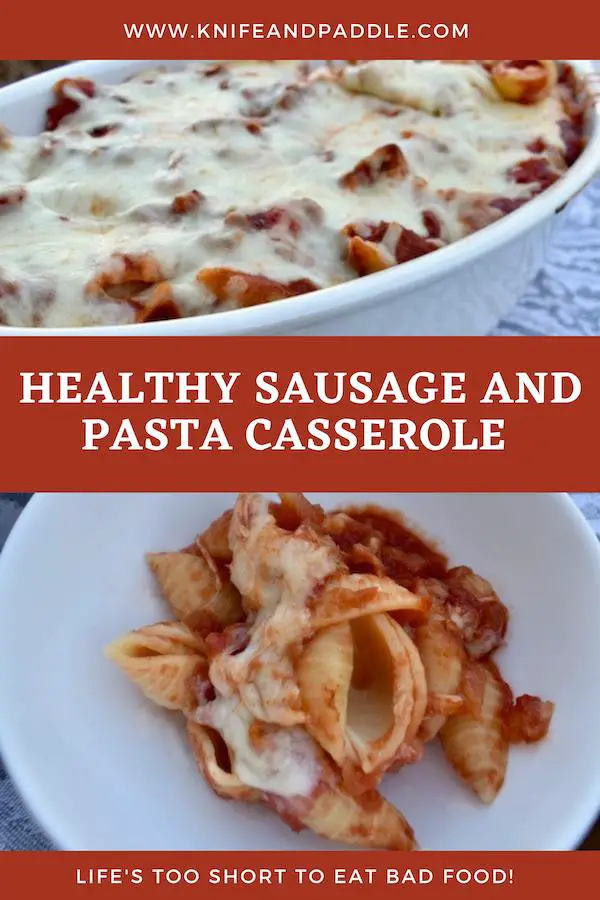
(103, 769)
(465, 288)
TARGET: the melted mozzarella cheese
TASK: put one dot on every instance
(249, 137)
(277, 574)
(286, 762)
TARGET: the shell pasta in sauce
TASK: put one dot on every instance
(219, 186)
(314, 654)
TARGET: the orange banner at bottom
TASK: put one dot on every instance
(443, 875)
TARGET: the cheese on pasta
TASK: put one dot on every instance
(285, 762)
(257, 167)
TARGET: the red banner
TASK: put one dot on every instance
(463, 29)
(330, 874)
(256, 413)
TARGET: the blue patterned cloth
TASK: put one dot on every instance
(563, 299)
(565, 295)
(18, 830)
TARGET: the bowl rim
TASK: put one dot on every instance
(64, 835)
(349, 296)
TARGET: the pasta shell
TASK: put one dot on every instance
(443, 659)
(164, 662)
(272, 567)
(339, 817)
(381, 701)
(212, 758)
(216, 538)
(161, 639)
(524, 84)
(194, 589)
(364, 691)
(346, 597)
(331, 812)
(294, 509)
(444, 704)
(476, 746)
(419, 682)
(324, 674)
(366, 257)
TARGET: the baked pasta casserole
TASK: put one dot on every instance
(315, 653)
(220, 186)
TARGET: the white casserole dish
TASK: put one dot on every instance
(462, 289)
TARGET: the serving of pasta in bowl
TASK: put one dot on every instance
(396, 672)
(276, 196)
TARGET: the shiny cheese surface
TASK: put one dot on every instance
(249, 137)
